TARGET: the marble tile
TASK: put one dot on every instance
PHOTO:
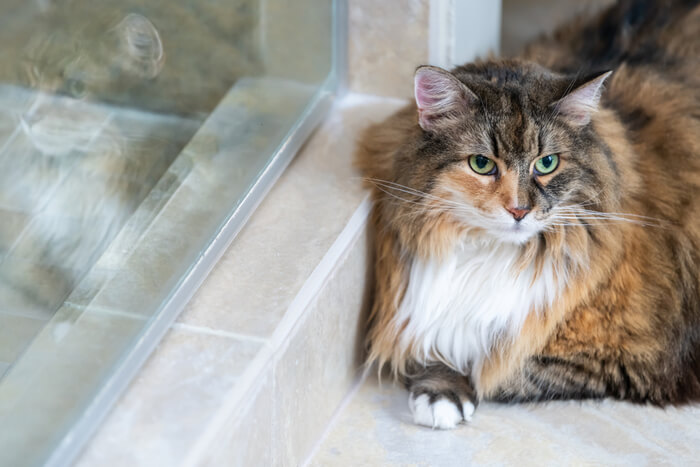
(295, 214)
(376, 429)
(169, 402)
(387, 41)
(248, 438)
(323, 358)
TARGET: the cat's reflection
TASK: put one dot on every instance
(75, 170)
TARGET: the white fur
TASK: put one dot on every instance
(441, 414)
(455, 310)
(468, 410)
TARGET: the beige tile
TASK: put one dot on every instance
(387, 41)
(247, 440)
(323, 359)
(376, 429)
(168, 404)
(252, 285)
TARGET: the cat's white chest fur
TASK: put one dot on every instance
(455, 309)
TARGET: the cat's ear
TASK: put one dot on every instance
(439, 96)
(579, 105)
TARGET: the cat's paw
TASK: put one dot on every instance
(439, 410)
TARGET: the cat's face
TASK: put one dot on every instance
(511, 153)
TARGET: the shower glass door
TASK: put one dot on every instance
(135, 139)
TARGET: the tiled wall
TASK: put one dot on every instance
(388, 39)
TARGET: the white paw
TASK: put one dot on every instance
(468, 410)
(442, 414)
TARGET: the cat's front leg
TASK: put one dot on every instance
(439, 396)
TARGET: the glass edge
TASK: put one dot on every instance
(340, 46)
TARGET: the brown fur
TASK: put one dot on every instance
(628, 325)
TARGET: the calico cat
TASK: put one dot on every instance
(537, 220)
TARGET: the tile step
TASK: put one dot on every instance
(270, 345)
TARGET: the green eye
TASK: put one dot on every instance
(547, 164)
(482, 165)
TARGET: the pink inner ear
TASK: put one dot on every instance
(432, 91)
(580, 104)
(425, 92)
(437, 94)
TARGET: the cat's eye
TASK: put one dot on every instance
(76, 87)
(547, 164)
(482, 164)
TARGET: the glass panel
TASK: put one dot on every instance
(134, 139)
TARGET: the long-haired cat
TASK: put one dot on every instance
(538, 220)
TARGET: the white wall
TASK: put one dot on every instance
(462, 30)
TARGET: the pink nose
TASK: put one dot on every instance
(519, 212)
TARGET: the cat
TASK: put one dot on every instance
(537, 220)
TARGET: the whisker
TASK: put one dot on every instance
(413, 191)
(576, 210)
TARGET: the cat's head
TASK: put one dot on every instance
(508, 149)
(103, 58)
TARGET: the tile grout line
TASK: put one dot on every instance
(267, 356)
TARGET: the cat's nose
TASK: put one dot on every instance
(519, 212)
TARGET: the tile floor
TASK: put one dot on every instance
(375, 429)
